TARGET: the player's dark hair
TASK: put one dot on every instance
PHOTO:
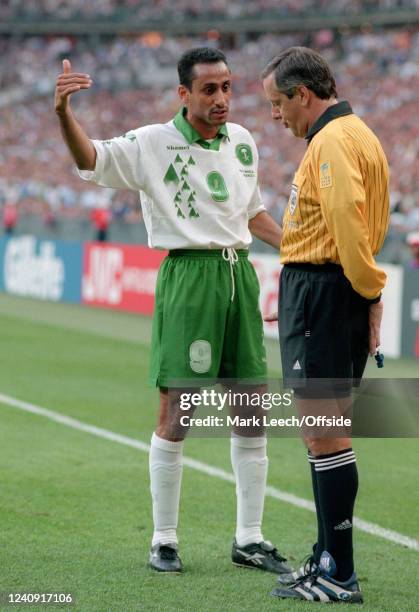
(199, 55)
(301, 66)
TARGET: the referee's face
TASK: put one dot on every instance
(289, 111)
(208, 100)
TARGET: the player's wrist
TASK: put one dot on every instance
(64, 112)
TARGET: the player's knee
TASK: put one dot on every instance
(249, 431)
(326, 446)
(167, 433)
(171, 426)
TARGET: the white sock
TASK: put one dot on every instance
(165, 480)
(250, 467)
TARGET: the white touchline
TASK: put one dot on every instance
(289, 498)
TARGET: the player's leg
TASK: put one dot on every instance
(250, 467)
(165, 464)
(249, 462)
(183, 351)
(244, 359)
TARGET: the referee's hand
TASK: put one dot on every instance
(375, 316)
(271, 317)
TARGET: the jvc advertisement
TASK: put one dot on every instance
(123, 277)
(120, 276)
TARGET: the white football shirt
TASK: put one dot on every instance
(194, 194)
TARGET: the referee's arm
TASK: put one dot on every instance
(344, 208)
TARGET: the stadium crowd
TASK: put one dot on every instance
(188, 9)
(135, 84)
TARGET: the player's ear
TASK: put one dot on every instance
(184, 94)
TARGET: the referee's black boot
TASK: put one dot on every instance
(307, 568)
(321, 586)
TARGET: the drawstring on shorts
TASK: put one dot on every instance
(231, 256)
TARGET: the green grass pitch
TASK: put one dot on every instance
(75, 512)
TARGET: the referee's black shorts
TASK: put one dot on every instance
(323, 330)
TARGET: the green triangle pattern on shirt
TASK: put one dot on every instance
(171, 175)
(179, 212)
(191, 200)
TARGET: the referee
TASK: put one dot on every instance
(330, 305)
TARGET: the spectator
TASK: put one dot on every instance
(101, 218)
(412, 240)
(190, 9)
(381, 65)
(10, 218)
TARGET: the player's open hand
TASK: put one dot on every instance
(271, 317)
(69, 82)
(375, 316)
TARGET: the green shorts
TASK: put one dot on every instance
(199, 331)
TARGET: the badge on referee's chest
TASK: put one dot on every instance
(293, 198)
(325, 175)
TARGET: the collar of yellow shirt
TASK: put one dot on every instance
(333, 112)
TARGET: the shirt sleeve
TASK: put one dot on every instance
(255, 204)
(118, 163)
(344, 208)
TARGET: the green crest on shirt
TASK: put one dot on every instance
(244, 154)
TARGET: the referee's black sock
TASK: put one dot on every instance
(318, 548)
(337, 484)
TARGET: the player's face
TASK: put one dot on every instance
(208, 101)
(289, 111)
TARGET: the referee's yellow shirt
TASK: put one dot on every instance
(338, 210)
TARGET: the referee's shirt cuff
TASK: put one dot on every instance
(375, 300)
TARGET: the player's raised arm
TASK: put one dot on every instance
(76, 139)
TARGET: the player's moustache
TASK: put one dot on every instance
(219, 111)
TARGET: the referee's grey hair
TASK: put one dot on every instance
(301, 66)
